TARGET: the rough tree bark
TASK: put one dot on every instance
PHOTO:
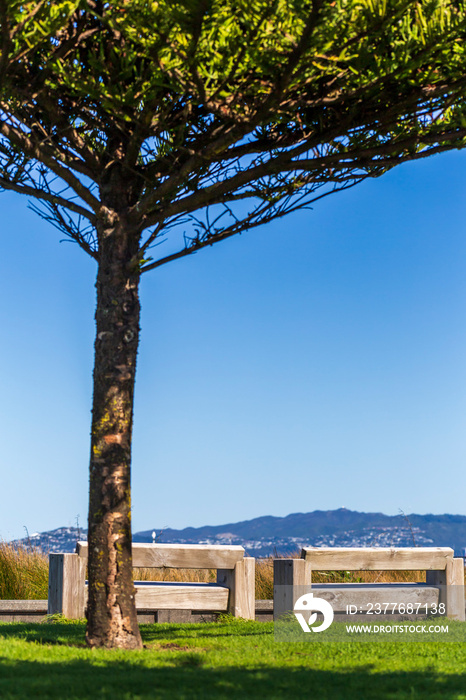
(111, 611)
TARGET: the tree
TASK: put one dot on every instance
(133, 124)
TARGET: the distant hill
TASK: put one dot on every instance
(63, 539)
(345, 528)
(268, 535)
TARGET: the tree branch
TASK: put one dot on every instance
(35, 192)
(36, 151)
(245, 224)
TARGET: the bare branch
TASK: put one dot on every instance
(35, 192)
(39, 153)
(265, 213)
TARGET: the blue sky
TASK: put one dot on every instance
(315, 363)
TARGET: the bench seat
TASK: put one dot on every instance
(234, 591)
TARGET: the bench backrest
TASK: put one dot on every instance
(378, 559)
(180, 556)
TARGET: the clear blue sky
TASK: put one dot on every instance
(315, 363)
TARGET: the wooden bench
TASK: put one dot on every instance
(233, 592)
(444, 578)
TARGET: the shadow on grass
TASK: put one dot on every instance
(64, 633)
(179, 673)
(79, 680)
(73, 632)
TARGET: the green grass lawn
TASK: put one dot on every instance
(232, 659)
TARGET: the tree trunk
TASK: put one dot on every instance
(111, 608)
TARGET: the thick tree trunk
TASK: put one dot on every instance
(111, 610)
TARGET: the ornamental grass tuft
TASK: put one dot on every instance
(24, 573)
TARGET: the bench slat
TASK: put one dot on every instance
(23, 606)
(377, 559)
(365, 595)
(181, 556)
(180, 596)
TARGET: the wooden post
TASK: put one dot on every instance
(67, 578)
(451, 584)
(455, 590)
(241, 582)
(289, 578)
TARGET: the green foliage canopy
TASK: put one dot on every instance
(205, 103)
